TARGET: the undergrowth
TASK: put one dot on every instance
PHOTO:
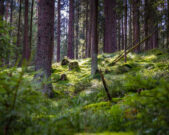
(139, 91)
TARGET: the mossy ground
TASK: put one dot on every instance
(83, 101)
(81, 106)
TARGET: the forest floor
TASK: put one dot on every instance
(139, 91)
(83, 102)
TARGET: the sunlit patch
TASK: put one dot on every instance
(149, 57)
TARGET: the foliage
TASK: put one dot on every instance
(6, 48)
(139, 99)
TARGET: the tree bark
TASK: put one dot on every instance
(94, 38)
(11, 15)
(87, 23)
(45, 44)
(58, 31)
(7, 11)
(77, 30)
(125, 43)
(31, 25)
(119, 35)
(89, 32)
(168, 27)
(136, 25)
(146, 16)
(19, 25)
(130, 26)
(110, 44)
(2, 9)
(122, 28)
(71, 30)
(26, 47)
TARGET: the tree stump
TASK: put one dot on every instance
(65, 62)
(74, 66)
(63, 77)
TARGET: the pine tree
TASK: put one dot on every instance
(70, 52)
(94, 38)
(45, 43)
(26, 47)
(110, 26)
(58, 30)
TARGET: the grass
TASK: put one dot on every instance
(81, 106)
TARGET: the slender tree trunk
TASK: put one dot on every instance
(71, 30)
(58, 31)
(2, 10)
(146, 23)
(45, 44)
(18, 51)
(125, 44)
(130, 26)
(77, 31)
(122, 27)
(31, 25)
(19, 24)
(110, 26)
(94, 41)
(7, 12)
(136, 25)
(168, 27)
(26, 47)
(11, 16)
(89, 32)
(119, 35)
(87, 22)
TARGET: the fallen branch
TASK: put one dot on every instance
(105, 85)
(131, 49)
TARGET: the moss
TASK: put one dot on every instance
(98, 106)
(74, 66)
(65, 62)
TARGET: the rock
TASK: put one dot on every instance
(74, 66)
(65, 61)
(63, 77)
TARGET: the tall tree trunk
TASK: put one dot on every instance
(7, 11)
(2, 9)
(11, 15)
(94, 38)
(110, 26)
(146, 16)
(122, 35)
(119, 35)
(77, 30)
(58, 31)
(31, 25)
(136, 25)
(125, 43)
(130, 26)
(26, 47)
(19, 29)
(89, 32)
(71, 30)
(45, 43)
(87, 22)
(168, 27)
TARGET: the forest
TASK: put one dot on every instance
(84, 67)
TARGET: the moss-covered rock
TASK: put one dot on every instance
(74, 66)
(65, 62)
(63, 77)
